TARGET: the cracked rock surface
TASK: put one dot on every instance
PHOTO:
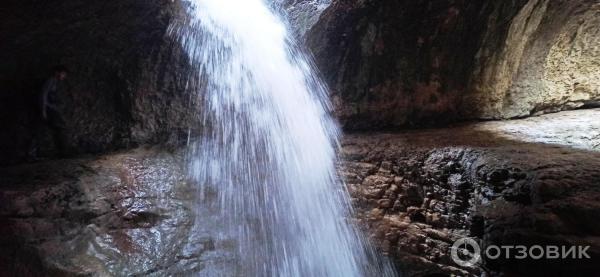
(417, 192)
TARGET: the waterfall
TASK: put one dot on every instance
(268, 152)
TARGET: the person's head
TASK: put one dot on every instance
(60, 72)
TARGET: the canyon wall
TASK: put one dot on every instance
(393, 64)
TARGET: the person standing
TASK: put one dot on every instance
(51, 107)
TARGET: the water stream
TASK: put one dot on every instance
(266, 159)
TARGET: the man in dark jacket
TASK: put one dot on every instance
(51, 106)
(49, 97)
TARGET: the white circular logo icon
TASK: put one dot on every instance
(466, 252)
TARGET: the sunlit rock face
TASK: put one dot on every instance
(549, 60)
(124, 88)
(412, 63)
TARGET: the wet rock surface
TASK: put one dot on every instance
(302, 14)
(126, 214)
(414, 193)
(417, 192)
(389, 63)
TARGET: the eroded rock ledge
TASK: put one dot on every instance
(418, 192)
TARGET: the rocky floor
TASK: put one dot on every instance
(578, 129)
(527, 181)
(502, 182)
(126, 214)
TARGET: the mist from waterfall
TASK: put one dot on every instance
(267, 155)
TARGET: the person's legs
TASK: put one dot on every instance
(57, 128)
(37, 126)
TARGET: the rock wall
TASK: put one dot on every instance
(302, 14)
(548, 62)
(389, 64)
(126, 84)
(394, 64)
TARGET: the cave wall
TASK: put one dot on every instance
(125, 85)
(549, 61)
(394, 64)
(389, 64)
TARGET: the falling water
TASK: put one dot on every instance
(268, 151)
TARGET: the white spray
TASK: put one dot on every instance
(268, 151)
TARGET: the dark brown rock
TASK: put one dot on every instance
(479, 180)
(131, 213)
(397, 63)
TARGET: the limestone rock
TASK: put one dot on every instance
(414, 194)
(548, 62)
(395, 63)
